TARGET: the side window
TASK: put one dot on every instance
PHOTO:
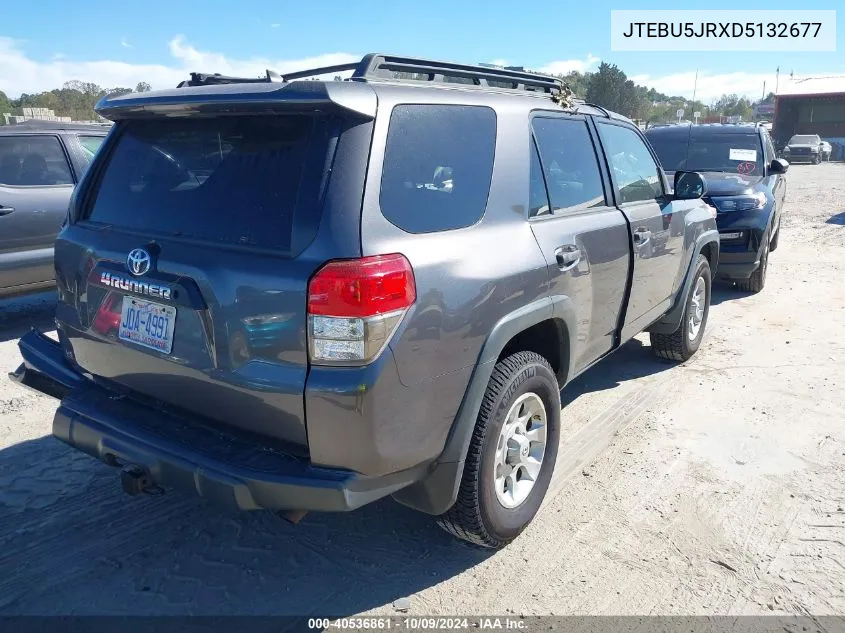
(636, 173)
(31, 161)
(438, 163)
(569, 163)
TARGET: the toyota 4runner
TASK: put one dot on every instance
(306, 295)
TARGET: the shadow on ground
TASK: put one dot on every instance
(837, 218)
(726, 291)
(632, 360)
(20, 314)
(72, 542)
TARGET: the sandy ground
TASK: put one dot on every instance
(716, 487)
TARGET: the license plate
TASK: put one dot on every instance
(730, 236)
(147, 324)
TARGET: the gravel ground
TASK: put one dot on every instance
(716, 487)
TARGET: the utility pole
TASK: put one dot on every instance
(764, 91)
(694, 88)
(777, 80)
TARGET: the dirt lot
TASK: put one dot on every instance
(717, 487)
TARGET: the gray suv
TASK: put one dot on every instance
(306, 295)
(40, 163)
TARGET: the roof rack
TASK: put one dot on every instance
(375, 67)
(216, 79)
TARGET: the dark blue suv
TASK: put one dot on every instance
(746, 184)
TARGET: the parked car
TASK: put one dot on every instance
(40, 163)
(408, 272)
(745, 182)
(804, 148)
(826, 150)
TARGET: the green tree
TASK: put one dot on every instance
(5, 106)
(607, 87)
(143, 86)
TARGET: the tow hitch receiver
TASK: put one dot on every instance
(134, 479)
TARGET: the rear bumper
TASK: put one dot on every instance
(231, 470)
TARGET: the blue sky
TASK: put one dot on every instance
(122, 43)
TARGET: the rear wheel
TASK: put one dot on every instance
(757, 280)
(817, 159)
(685, 341)
(512, 453)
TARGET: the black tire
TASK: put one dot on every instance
(477, 515)
(757, 281)
(817, 159)
(678, 345)
(774, 243)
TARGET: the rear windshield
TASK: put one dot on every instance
(231, 180)
(731, 152)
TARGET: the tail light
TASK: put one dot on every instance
(354, 307)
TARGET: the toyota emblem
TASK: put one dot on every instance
(138, 262)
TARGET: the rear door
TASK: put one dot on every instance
(657, 232)
(183, 275)
(36, 182)
(583, 238)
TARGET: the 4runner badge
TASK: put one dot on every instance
(138, 262)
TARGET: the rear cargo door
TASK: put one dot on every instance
(184, 279)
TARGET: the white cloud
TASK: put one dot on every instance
(19, 73)
(711, 86)
(566, 66)
(275, 25)
(125, 44)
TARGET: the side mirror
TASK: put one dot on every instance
(689, 185)
(778, 166)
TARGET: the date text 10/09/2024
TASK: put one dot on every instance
(418, 623)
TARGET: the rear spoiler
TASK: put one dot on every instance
(257, 96)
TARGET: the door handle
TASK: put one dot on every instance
(6, 210)
(568, 256)
(641, 236)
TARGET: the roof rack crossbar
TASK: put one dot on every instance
(325, 70)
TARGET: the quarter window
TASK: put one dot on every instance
(32, 161)
(569, 164)
(637, 174)
(438, 163)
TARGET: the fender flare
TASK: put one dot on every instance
(438, 491)
(671, 321)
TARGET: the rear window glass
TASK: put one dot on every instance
(437, 166)
(231, 180)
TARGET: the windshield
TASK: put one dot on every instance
(734, 153)
(803, 139)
